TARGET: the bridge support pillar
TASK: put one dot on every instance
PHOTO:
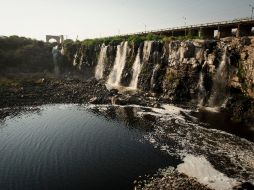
(224, 32)
(244, 30)
(192, 32)
(205, 33)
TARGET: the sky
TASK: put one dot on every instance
(100, 18)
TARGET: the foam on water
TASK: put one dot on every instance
(226, 157)
(205, 173)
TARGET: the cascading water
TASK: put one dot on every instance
(153, 80)
(201, 89)
(55, 53)
(218, 94)
(74, 63)
(147, 50)
(62, 50)
(114, 78)
(101, 61)
(136, 68)
(81, 61)
(155, 69)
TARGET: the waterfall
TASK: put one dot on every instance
(74, 63)
(136, 68)
(55, 53)
(115, 75)
(137, 65)
(201, 89)
(155, 70)
(62, 50)
(153, 80)
(147, 50)
(81, 61)
(218, 94)
(101, 61)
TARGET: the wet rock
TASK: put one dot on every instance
(244, 186)
(94, 100)
(173, 180)
(113, 92)
(245, 41)
(119, 100)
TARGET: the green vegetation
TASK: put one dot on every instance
(23, 55)
(170, 76)
(118, 39)
(136, 38)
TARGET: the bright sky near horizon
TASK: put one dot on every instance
(98, 18)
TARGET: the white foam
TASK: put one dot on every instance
(210, 109)
(205, 173)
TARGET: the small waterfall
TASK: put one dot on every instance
(62, 50)
(115, 75)
(201, 89)
(153, 80)
(81, 61)
(218, 94)
(137, 65)
(74, 63)
(136, 68)
(147, 50)
(101, 61)
(55, 53)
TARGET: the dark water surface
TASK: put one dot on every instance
(221, 121)
(70, 147)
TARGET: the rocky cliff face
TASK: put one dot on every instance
(202, 72)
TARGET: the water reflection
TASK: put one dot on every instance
(70, 147)
(222, 121)
(127, 114)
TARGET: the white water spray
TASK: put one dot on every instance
(55, 53)
(155, 70)
(147, 50)
(101, 61)
(81, 61)
(115, 75)
(218, 95)
(136, 68)
(62, 50)
(201, 89)
(74, 63)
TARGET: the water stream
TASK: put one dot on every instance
(136, 71)
(101, 61)
(201, 89)
(114, 78)
(218, 95)
(138, 63)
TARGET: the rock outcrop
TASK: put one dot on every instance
(200, 72)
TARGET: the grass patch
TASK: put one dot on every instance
(136, 38)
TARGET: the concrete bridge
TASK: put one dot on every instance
(237, 27)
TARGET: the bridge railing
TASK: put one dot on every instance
(241, 20)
